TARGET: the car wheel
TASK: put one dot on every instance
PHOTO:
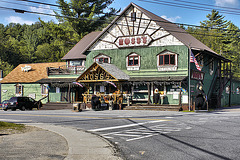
(23, 108)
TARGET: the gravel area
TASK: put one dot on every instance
(34, 144)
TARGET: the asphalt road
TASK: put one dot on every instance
(151, 135)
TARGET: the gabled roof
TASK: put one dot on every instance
(98, 69)
(84, 44)
(81, 46)
(38, 71)
(115, 71)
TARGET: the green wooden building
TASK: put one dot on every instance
(137, 53)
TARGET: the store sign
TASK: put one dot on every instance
(96, 73)
(133, 41)
(197, 75)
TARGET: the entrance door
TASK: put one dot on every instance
(78, 92)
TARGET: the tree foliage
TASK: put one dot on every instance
(222, 36)
(86, 15)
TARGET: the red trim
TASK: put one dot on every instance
(133, 60)
(102, 58)
(164, 59)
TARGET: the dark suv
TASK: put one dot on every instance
(23, 103)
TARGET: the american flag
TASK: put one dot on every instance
(112, 84)
(78, 84)
(193, 59)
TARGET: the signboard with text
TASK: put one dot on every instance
(197, 75)
(133, 41)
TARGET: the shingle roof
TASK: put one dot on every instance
(81, 46)
(38, 71)
(114, 71)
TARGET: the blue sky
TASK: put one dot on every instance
(174, 14)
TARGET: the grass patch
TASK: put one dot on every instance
(5, 126)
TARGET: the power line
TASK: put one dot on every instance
(204, 4)
(180, 24)
(26, 5)
(169, 30)
(153, 1)
(188, 6)
(48, 4)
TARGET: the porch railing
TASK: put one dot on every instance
(65, 70)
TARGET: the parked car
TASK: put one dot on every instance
(4, 105)
(23, 103)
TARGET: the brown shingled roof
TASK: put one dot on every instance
(38, 71)
(77, 51)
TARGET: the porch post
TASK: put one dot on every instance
(149, 93)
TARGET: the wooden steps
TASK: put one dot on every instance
(56, 106)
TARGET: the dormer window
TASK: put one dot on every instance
(133, 61)
(167, 61)
(102, 58)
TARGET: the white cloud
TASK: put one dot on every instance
(42, 9)
(15, 19)
(226, 2)
(171, 19)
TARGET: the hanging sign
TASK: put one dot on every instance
(133, 41)
(96, 73)
(197, 75)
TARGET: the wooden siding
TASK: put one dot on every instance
(148, 60)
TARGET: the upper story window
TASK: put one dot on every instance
(133, 16)
(19, 90)
(167, 61)
(211, 66)
(133, 61)
(102, 58)
(79, 62)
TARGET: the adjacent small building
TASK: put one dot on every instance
(22, 81)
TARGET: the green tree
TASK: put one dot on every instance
(86, 16)
(5, 67)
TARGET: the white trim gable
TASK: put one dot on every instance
(124, 26)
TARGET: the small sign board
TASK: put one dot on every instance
(197, 75)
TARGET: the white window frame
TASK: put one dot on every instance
(96, 59)
(19, 90)
(227, 89)
(211, 67)
(168, 67)
(133, 67)
(71, 62)
(44, 89)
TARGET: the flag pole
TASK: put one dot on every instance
(189, 78)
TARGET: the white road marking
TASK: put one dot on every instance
(141, 133)
(141, 137)
(124, 126)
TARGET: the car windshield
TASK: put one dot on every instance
(13, 99)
